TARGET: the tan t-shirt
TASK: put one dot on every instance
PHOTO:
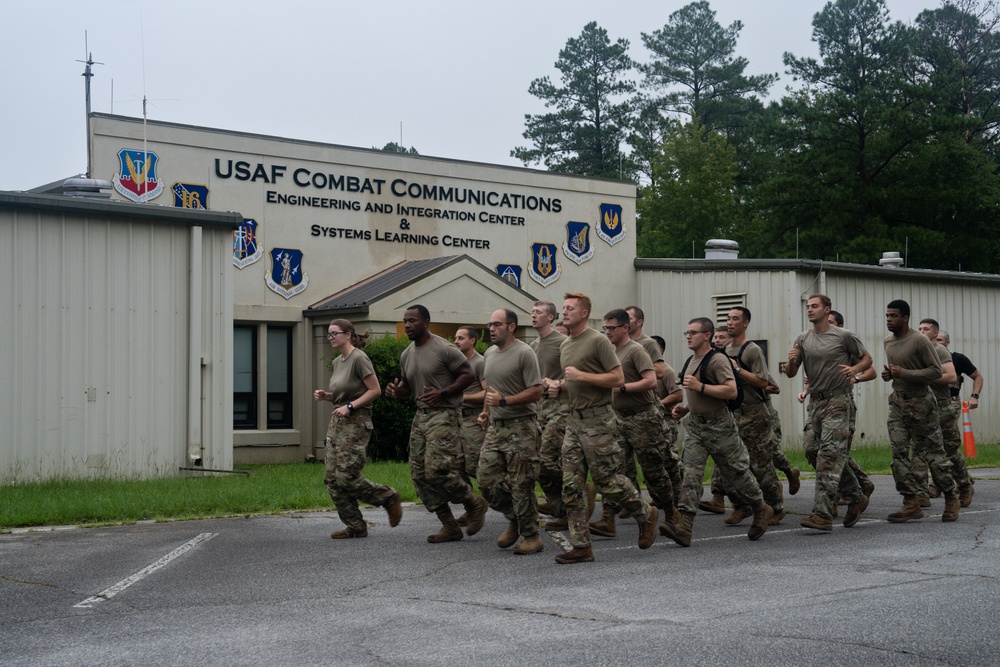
(590, 352)
(821, 355)
(668, 383)
(547, 351)
(942, 392)
(634, 361)
(434, 364)
(915, 353)
(651, 346)
(717, 371)
(510, 372)
(476, 387)
(751, 359)
(348, 379)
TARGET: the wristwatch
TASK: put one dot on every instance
(350, 407)
(622, 390)
(737, 369)
(975, 396)
(503, 402)
(857, 377)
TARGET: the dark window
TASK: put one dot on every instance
(279, 377)
(244, 377)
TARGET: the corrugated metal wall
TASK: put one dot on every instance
(94, 339)
(967, 309)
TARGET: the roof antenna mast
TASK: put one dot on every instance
(88, 75)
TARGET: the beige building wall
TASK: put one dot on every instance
(365, 208)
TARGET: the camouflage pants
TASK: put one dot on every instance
(553, 424)
(754, 426)
(853, 467)
(779, 459)
(346, 440)
(642, 434)
(436, 458)
(716, 436)
(591, 442)
(508, 469)
(951, 434)
(914, 429)
(828, 448)
(472, 442)
(672, 457)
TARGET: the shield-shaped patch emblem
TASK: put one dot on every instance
(577, 246)
(511, 273)
(136, 178)
(286, 276)
(611, 227)
(543, 268)
(246, 249)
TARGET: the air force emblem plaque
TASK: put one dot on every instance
(577, 246)
(136, 178)
(611, 227)
(543, 268)
(189, 195)
(286, 276)
(511, 273)
(246, 248)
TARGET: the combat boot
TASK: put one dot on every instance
(509, 536)
(868, 488)
(462, 520)
(591, 493)
(965, 495)
(909, 510)
(529, 545)
(762, 514)
(738, 515)
(475, 508)
(647, 529)
(683, 530)
(605, 526)
(559, 523)
(794, 480)
(671, 517)
(854, 511)
(577, 555)
(776, 519)
(951, 505)
(450, 530)
(933, 492)
(924, 501)
(394, 508)
(348, 533)
(717, 505)
(817, 522)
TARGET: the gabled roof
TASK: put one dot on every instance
(360, 296)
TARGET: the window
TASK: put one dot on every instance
(724, 303)
(245, 377)
(262, 361)
(279, 377)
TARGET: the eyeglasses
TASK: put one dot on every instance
(612, 327)
(497, 325)
(688, 334)
(334, 334)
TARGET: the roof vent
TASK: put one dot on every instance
(88, 188)
(721, 249)
(891, 260)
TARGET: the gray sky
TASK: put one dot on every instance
(455, 74)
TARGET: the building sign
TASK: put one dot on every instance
(286, 276)
(136, 178)
(246, 249)
(511, 273)
(577, 246)
(543, 268)
(189, 195)
(611, 227)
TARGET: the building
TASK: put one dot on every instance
(775, 291)
(332, 231)
(115, 338)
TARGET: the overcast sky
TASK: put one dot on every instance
(454, 74)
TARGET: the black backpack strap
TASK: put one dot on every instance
(739, 361)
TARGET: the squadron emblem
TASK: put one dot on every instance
(543, 268)
(611, 227)
(577, 246)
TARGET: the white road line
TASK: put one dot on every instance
(109, 593)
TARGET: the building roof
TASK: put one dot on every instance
(359, 295)
(811, 266)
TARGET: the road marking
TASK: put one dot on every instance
(109, 593)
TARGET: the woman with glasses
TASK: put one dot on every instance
(353, 387)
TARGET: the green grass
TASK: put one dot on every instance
(269, 489)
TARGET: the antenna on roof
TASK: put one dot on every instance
(87, 75)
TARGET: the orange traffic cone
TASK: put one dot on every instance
(968, 437)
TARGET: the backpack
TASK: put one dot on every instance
(739, 381)
(733, 403)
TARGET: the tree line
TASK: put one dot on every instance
(887, 141)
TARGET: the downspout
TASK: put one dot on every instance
(194, 350)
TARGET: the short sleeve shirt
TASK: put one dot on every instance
(963, 366)
(634, 361)
(668, 383)
(591, 352)
(510, 372)
(717, 371)
(941, 391)
(915, 353)
(651, 346)
(434, 364)
(822, 353)
(348, 379)
(751, 359)
(476, 387)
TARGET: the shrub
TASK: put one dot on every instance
(392, 417)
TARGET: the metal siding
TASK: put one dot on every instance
(967, 310)
(102, 304)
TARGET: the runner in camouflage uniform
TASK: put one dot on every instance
(353, 387)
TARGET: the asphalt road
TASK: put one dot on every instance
(278, 591)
